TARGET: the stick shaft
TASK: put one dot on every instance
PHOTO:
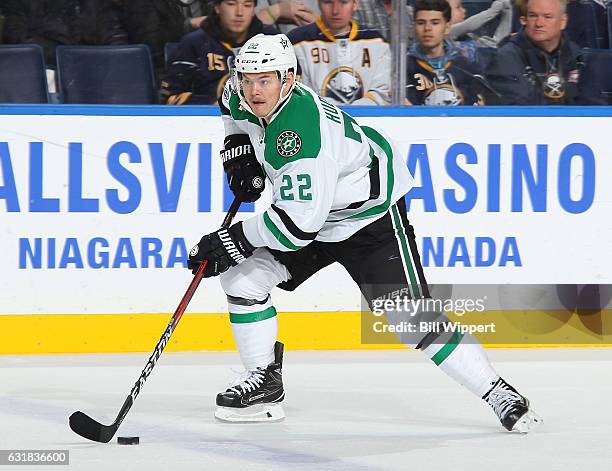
(93, 430)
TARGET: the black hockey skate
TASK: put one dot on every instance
(512, 408)
(257, 397)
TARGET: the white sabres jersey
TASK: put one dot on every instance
(330, 176)
(353, 70)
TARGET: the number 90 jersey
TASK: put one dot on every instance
(355, 70)
(330, 176)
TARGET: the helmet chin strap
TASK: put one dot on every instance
(280, 101)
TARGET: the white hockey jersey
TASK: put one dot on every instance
(330, 177)
(353, 70)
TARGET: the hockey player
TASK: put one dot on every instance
(344, 62)
(437, 72)
(198, 69)
(338, 196)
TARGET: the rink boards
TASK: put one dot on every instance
(100, 206)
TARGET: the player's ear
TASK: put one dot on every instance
(355, 5)
(288, 84)
(290, 79)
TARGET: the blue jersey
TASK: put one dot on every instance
(198, 67)
(452, 81)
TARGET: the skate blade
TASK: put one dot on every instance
(528, 422)
(252, 414)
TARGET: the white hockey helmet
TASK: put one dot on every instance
(265, 53)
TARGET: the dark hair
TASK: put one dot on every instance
(435, 5)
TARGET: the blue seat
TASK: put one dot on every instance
(168, 50)
(23, 78)
(598, 71)
(106, 74)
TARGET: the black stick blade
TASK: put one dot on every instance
(87, 427)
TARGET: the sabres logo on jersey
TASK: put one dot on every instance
(443, 95)
(554, 87)
(343, 84)
(288, 143)
(439, 89)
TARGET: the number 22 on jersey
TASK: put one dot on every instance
(300, 191)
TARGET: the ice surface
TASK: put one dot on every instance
(367, 410)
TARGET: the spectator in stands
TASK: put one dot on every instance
(198, 68)
(345, 62)
(437, 72)
(377, 15)
(539, 65)
(50, 23)
(462, 28)
(194, 11)
(288, 14)
(519, 16)
(154, 23)
(584, 20)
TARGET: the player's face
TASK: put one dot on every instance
(545, 22)
(430, 28)
(337, 14)
(235, 16)
(457, 11)
(262, 91)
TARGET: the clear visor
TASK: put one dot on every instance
(253, 82)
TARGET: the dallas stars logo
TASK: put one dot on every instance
(284, 43)
(288, 143)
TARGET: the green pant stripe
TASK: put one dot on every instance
(400, 232)
(447, 349)
(252, 316)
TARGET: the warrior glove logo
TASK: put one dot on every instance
(235, 152)
(288, 143)
(230, 247)
(194, 251)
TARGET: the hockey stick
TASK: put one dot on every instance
(89, 428)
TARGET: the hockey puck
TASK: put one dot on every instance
(128, 440)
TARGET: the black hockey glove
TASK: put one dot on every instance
(223, 249)
(244, 173)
